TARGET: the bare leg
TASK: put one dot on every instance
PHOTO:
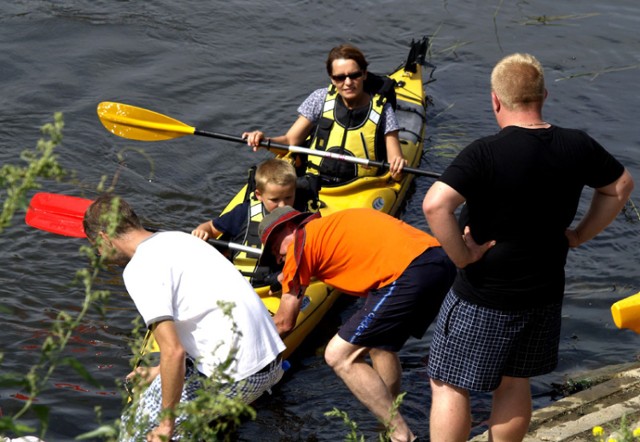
(387, 365)
(450, 419)
(348, 362)
(510, 411)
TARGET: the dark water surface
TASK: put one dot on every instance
(232, 66)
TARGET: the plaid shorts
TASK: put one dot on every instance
(473, 347)
(143, 416)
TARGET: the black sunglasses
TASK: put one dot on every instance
(342, 77)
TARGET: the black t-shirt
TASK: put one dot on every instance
(522, 188)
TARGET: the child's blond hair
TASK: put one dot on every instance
(275, 171)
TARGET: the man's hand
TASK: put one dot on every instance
(290, 304)
(141, 376)
(572, 238)
(146, 374)
(476, 250)
(162, 433)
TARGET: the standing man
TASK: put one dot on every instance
(179, 284)
(403, 272)
(500, 323)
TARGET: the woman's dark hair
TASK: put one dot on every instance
(347, 52)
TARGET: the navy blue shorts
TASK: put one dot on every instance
(403, 308)
(473, 347)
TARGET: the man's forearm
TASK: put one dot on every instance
(605, 205)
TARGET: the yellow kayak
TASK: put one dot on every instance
(378, 192)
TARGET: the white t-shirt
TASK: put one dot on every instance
(174, 275)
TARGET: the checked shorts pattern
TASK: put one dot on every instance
(139, 420)
(474, 346)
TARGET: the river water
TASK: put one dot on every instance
(246, 64)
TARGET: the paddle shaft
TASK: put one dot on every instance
(318, 153)
(235, 246)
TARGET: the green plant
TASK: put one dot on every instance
(353, 436)
(211, 417)
(17, 180)
(622, 432)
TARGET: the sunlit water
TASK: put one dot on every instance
(232, 66)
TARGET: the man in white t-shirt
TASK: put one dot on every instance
(180, 285)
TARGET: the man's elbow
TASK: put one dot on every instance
(435, 205)
(429, 209)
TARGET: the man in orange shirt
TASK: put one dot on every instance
(403, 272)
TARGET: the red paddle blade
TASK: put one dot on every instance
(59, 214)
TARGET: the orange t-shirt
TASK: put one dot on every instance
(355, 251)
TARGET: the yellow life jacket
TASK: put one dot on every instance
(348, 132)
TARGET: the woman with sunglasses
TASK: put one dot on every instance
(348, 118)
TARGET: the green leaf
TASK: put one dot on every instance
(41, 411)
(102, 432)
(12, 380)
(81, 370)
(7, 424)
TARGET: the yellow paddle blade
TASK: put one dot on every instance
(141, 124)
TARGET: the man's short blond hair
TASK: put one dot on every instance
(518, 81)
(275, 171)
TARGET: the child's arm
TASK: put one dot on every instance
(206, 230)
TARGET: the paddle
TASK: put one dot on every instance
(141, 124)
(63, 214)
(59, 214)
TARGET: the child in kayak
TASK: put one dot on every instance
(275, 186)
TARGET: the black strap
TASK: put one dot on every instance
(251, 183)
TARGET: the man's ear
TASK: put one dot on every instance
(495, 102)
(104, 238)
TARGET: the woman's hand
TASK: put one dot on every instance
(254, 138)
(395, 167)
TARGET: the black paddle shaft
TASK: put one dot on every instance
(269, 145)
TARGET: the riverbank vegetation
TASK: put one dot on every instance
(212, 416)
